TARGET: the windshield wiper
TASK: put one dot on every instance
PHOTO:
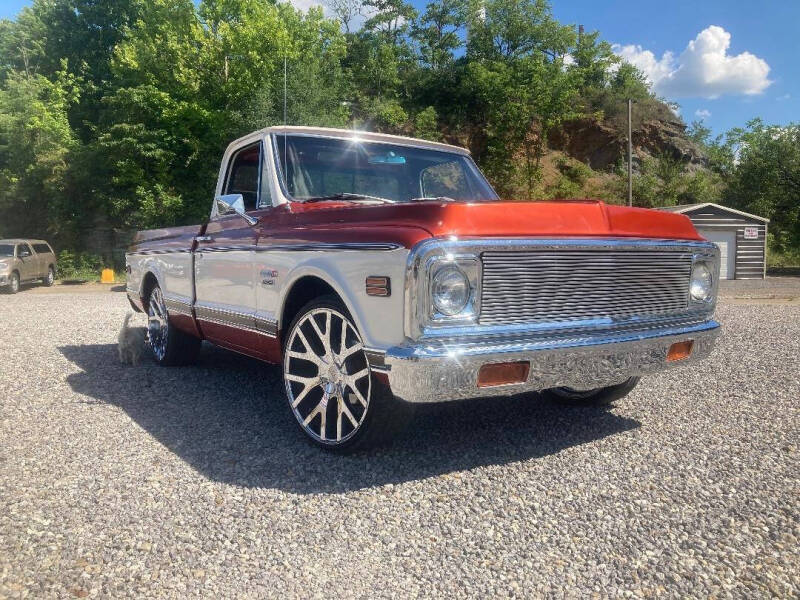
(347, 196)
(433, 199)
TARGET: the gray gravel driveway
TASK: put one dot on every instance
(143, 481)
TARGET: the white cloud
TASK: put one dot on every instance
(784, 97)
(702, 113)
(704, 68)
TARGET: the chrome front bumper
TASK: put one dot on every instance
(440, 371)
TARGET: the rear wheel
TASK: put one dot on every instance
(595, 397)
(334, 396)
(170, 346)
(51, 277)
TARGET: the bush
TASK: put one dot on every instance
(426, 125)
(574, 171)
(79, 265)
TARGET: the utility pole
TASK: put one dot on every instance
(630, 157)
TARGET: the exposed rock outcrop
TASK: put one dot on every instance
(601, 146)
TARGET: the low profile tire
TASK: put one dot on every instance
(597, 397)
(51, 277)
(332, 393)
(13, 283)
(171, 347)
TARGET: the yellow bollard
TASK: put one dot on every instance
(107, 276)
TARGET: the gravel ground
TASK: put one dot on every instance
(770, 287)
(121, 481)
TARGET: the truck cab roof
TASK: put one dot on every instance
(366, 136)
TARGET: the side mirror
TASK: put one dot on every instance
(24, 254)
(233, 203)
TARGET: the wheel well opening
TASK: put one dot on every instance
(148, 284)
(303, 291)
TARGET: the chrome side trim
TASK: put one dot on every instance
(178, 305)
(377, 360)
(236, 319)
(266, 325)
(437, 372)
(316, 247)
(155, 252)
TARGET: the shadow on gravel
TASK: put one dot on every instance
(226, 418)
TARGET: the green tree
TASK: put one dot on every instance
(35, 142)
(766, 180)
(438, 30)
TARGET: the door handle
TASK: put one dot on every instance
(204, 238)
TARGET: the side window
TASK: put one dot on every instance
(244, 175)
(23, 250)
(445, 179)
(42, 248)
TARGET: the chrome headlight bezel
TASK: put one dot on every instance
(711, 262)
(701, 282)
(470, 267)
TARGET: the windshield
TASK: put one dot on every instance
(321, 168)
(6, 249)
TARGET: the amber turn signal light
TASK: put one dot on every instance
(503, 373)
(680, 350)
(378, 286)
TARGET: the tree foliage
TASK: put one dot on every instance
(115, 114)
(766, 178)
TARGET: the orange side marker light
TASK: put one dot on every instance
(503, 373)
(680, 350)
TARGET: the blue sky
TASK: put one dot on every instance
(726, 61)
(768, 30)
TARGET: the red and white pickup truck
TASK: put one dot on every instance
(384, 271)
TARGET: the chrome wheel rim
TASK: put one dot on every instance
(157, 324)
(327, 376)
(50, 277)
(15, 283)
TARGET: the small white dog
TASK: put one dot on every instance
(130, 342)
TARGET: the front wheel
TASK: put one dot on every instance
(170, 346)
(336, 399)
(13, 283)
(51, 277)
(595, 397)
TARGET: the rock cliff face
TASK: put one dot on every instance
(601, 146)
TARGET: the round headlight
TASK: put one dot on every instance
(450, 290)
(702, 280)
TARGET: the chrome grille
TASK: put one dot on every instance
(558, 285)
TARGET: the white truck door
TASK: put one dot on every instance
(224, 262)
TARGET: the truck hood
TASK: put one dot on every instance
(585, 218)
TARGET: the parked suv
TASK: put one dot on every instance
(22, 261)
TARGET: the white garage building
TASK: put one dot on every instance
(741, 237)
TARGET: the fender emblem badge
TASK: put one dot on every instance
(268, 276)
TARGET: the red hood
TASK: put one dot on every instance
(585, 218)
